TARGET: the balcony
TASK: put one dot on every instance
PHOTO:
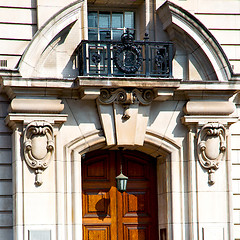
(126, 58)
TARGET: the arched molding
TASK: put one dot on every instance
(155, 145)
(161, 142)
(45, 35)
(88, 142)
(175, 18)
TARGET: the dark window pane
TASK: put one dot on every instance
(117, 34)
(92, 34)
(106, 25)
(105, 34)
(92, 19)
(129, 19)
(104, 20)
(117, 20)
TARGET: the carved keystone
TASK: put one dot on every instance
(124, 114)
(211, 147)
(38, 146)
(125, 98)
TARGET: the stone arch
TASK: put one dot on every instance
(49, 36)
(184, 28)
(164, 149)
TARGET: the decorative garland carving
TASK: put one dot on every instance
(38, 143)
(211, 147)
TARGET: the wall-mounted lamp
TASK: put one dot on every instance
(121, 178)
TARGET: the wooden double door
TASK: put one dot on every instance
(109, 214)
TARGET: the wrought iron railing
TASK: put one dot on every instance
(126, 58)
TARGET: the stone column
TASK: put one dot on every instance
(208, 168)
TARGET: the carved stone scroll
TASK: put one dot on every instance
(211, 147)
(38, 143)
(126, 97)
(122, 96)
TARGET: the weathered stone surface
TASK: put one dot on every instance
(36, 105)
(209, 108)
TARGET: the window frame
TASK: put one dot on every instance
(111, 11)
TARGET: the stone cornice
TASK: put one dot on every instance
(38, 87)
(89, 87)
(82, 87)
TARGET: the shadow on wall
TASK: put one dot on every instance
(168, 114)
(57, 55)
(71, 70)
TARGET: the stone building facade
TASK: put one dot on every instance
(75, 112)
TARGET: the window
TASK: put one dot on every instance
(109, 25)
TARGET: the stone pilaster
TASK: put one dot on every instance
(209, 174)
(35, 124)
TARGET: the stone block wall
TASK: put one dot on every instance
(235, 159)
(222, 19)
(5, 174)
(18, 24)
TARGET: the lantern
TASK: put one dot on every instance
(121, 178)
(121, 182)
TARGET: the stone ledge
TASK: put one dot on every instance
(13, 119)
(133, 82)
(202, 120)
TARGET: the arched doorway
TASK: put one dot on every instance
(108, 214)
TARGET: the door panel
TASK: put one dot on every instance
(97, 168)
(96, 203)
(136, 232)
(136, 204)
(109, 214)
(97, 232)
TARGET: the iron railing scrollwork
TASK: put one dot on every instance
(126, 57)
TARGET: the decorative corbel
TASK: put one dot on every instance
(124, 114)
(126, 97)
(38, 144)
(211, 147)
